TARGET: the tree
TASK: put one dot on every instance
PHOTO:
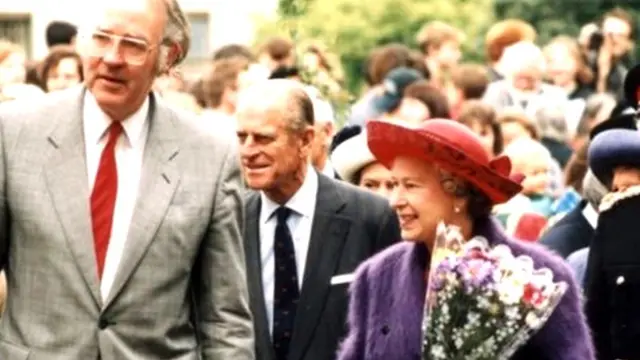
(352, 28)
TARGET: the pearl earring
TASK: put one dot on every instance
(456, 210)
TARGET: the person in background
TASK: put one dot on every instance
(13, 74)
(12, 61)
(470, 82)
(525, 215)
(575, 230)
(552, 126)
(323, 66)
(422, 101)
(481, 118)
(61, 33)
(379, 64)
(221, 85)
(324, 127)
(523, 66)
(388, 102)
(442, 173)
(355, 163)
(233, 51)
(566, 67)
(61, 69)
(597, 109)
(500, 36)
(440, 44)
(613, 265)
(514, 124)
(286, 72)
(305, 233)
(276, 52)
(616, 32)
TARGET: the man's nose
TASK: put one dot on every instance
(113, 54)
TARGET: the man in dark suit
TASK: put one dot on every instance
(305, 233)
(575, 230)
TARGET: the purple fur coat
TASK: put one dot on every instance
(387, 300)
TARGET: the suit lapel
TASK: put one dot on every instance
(254, 276)
(66, 177)
(158, 183)
(328, 234)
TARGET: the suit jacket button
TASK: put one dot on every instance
(385, 330)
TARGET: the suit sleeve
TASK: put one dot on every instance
(389, 231)
(353, 346)
(224, 319)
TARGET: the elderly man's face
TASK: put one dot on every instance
(273, 156)
(122, 54)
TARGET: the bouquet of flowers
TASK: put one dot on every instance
(483, 303)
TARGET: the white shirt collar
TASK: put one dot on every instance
(96, 122)
(302, 202)
(328, 169)
(590, 213)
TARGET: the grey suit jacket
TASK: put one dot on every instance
(349, 226)
(180, 290)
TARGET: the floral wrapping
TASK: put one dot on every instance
(483, 303)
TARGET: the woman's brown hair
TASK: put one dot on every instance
(517, 116)
(430, 96)
(476, 111)
(55, 56)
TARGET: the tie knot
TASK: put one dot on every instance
(115, 129)
(282, 214)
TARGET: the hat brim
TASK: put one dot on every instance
(388, 141)
(611, 150)
(631, 84)
(351, 156)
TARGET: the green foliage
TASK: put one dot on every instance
(352, 28)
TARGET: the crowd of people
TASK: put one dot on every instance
(150, 214)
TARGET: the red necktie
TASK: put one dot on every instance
(103, 196)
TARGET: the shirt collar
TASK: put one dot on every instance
(328, 169)
(590, 214)
(96, 122)
(302, 202)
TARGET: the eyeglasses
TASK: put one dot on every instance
(133, 51)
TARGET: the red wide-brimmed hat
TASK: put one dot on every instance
(451, 145)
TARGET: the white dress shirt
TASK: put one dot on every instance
(129, 152)
(590, 213)
(303, 205)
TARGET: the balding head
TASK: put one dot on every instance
(287, 97)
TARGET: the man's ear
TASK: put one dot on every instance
(169, 54)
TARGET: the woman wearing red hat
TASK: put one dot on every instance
(441, 172)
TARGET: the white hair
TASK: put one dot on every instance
(524, 148)
(522, 55)
(176, 32)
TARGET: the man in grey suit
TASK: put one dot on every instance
(305, 233)
(120, 219)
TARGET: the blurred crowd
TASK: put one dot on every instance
(537, 103)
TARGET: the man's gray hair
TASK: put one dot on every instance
(592, 189)
(176, 31)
